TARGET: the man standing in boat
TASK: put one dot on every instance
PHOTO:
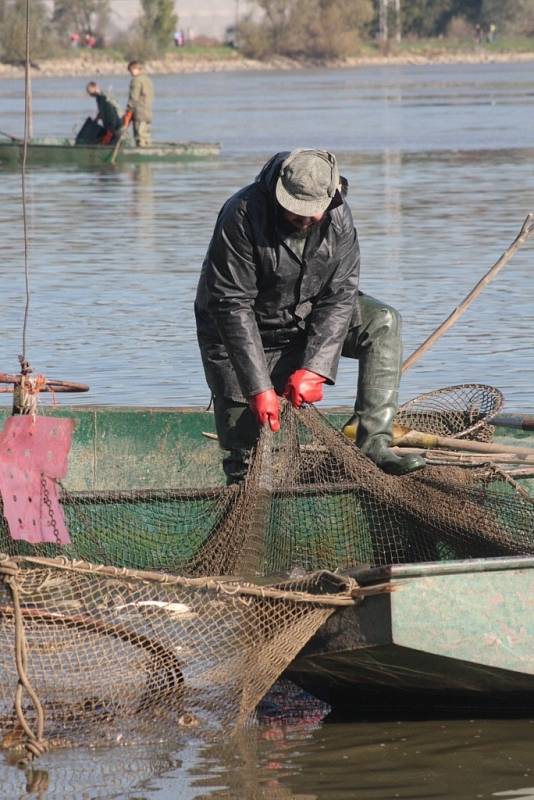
(108, 113)
(139, 107)
(278, 303)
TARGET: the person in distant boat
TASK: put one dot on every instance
(278, 303)
(139, 107)
(108, 115)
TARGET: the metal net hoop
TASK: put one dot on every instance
(461, 411)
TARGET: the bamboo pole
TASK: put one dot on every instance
(455, 458)
(519, 241)
(429, 441)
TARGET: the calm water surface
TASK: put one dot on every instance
(440, 162)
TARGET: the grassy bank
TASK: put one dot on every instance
(196, 58)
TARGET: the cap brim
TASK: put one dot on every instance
(303, 208)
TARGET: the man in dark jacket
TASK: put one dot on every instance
(278, 304)
(108, 113)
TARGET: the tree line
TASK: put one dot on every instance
(337, 28)
(293, 28)
(64, 24)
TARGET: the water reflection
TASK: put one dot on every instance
(292, 754)
(98, 774)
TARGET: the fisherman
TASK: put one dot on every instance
(139, 107)
(108, 113)
(277, 304)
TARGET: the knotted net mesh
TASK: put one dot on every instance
(151, 648)
(116, 656)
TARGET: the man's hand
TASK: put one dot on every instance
(304, 386)
(266, 407)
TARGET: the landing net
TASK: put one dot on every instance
(113, 656)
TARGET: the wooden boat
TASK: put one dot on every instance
(456, 628)
(51, 152)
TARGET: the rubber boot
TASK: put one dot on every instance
(376, 410)
(376, 343)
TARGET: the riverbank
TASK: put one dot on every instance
(90, 64)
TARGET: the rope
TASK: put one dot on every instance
(22, 357)
(35, 743)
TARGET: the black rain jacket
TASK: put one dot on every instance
(257, 303)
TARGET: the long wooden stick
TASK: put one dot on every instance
(430, 441)
(456, 458)
(519, 241)
(117, 147)
(9, 136)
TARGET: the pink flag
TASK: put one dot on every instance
(33, 455)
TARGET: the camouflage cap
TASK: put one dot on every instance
(307, 182)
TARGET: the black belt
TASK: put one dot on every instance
(280, 338)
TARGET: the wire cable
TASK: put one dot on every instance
(22, 357)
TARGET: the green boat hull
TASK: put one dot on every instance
(464, 636)
(457, 628)
(54, 152)
(112, 445)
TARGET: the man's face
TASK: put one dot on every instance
(302, 225)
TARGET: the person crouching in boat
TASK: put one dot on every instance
(108, 115)
(278, 303)
(139, 106)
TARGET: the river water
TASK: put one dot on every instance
(440, 164)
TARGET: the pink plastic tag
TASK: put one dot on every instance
(33, 455)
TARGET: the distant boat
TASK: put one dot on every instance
(49, 152)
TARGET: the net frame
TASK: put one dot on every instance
(460, 411)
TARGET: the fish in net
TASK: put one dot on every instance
(111, 655)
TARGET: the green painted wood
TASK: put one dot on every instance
(464, 634)
(456, 632)
(53, 152)
(482, 617)
(127, 447)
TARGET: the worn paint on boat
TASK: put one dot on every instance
(460, 629)
(49, 152)
(447, 629)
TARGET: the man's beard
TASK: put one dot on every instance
(299, 233)
(288, 229)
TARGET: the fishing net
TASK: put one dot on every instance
(112, 656)
(311, 501)
(115, 651)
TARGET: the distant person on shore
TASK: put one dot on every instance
(478, 35)
(179, 39)
(108, 114)
(491, 33)
(139, 107)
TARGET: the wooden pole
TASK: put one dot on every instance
(519, 241)
(414, 438)
(117, 147)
